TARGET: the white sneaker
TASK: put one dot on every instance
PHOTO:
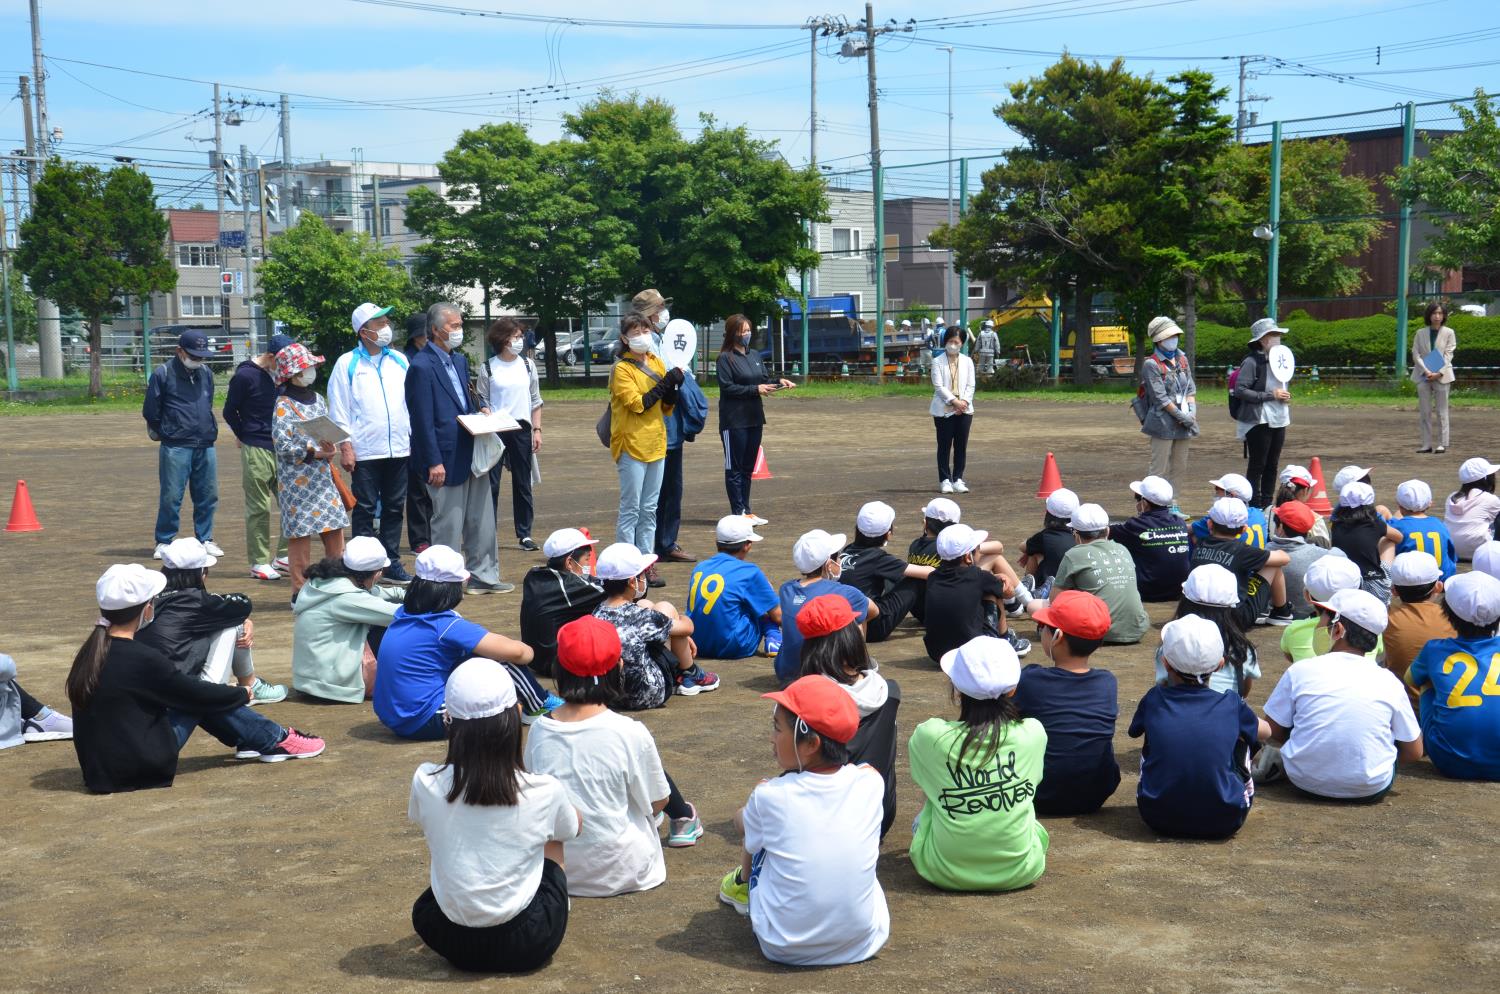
(960, 487)
(282, 563)
(213, 549)
(946, 488)
(160, 547)
(756, 520)
(264, 571)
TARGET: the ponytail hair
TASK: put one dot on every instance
(83, 676)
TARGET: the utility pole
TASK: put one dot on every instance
(286, 160)
(878, 195)
(378, 228)
(49, 325)
(245, 174)
(219, 203)
(11, 381)
(31, 156)
(39, 73)
(812, 120)
(949, 282)
(1243, 117)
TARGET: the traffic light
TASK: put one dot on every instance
(226, 283)
(273, 202)
(231, 179)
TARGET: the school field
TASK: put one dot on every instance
(300, 876)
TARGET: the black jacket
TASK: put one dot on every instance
(550, 599)
(740, 404)
(187, 621)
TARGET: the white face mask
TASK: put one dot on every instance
(193, 363)
(640, 344)
(1169, 344)
(383, 337)
(514, 346)
(662, 317)
(306, 378)
(834, 571)
(952, 348)
(455, 339)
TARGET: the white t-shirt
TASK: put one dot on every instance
(1346, 715)
(487, 861)
(612, 772)
(814, 840)
(510, 388)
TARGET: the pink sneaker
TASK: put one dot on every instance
(296, 745)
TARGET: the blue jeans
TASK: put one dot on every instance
(640, 488)
(178, 468)
(241, 728)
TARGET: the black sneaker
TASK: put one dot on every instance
(396, 574)
(1281, 616)
(1022, 646)
(530, 546)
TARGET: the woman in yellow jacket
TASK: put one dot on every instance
(642, 392)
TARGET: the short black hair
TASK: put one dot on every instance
(1433, 308)
(183, 579)
(1050, 520)
(1363, 515)
(332, 568)
(614, 588)
(1416, 594)
(1091, 535)
(935, 525)
(731, 547)
(863, 541)
(1080, 646)
(561, 562)
(1361, 640)
(1214, 528)
(606, 689)
(1466, 629)
(432, 596)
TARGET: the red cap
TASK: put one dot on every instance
(588, 646)
(824, 615)
(1297, 516)
(1077, 613)
(823, 706)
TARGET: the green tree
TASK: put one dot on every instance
(92, 238)
(1460, 179)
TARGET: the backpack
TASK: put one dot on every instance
(692, 407)
(1262, 367)
(1141, 405)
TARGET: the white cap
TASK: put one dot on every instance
(441, 564)
(944, 510)
(906, 322)
(984, 668)
(1476, 469)
(1154, 489)
(622, 561)
(1487, 558)
(1192, 645)
(1229, 512)
(126, 585)
(1211, 585)
(1088, 518)
(1357, 494)
(1062, 502)
(365, 313)
(564, 541)
(875, 519)
(957, 541)
(1360, 607)
(1294, 470)
(941, 319)
(815, 548)
(365, 554)
(1474, 597)
(1328, 575)
(186, 553)
(1415, 569)
(1414, 495)
(987, 323)
(1348, 475)
(890, 323)
(733, 529)
(1264, 327)
(479, 688)
(1234, 485)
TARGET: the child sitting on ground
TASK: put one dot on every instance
(1365, 538)
(611, 769)
(1211, 592)
(1296, 483)
(1420, 531)
(964, 600)
(1417, 615)
(941, 512)
(1077, 705)
(890, 584)
(812, 838)
(23, 718)
(816, 556)
(659, 658)
(1044, 550)
(1292, 534)
(731, 604)
(1472, 509)
(1257, 570)
(978, 828)
(1309, 637)
(1357, 474)
(1104, 568)
(1253, 532)
(556, 592)
(341, 613)
(1460, 716)
(1195, 765)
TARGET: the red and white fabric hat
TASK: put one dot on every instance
(294, 359)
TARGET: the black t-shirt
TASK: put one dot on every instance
(1158, 542)
(923, 552)
(1244, 561)
(954, 606)
(1050, 544)
(870, 570)
(1361, 543)
(550, 599)
(1079, 711)
(186, 622)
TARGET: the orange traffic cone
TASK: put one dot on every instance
(593, 560)
(762, 470)
(1051, 478)
(22, 514)
(1319, 499)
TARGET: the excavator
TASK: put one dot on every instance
(1111, 342)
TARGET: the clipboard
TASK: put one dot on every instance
(1434, 361)
(483, 424)
(322, 429)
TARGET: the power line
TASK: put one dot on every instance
(576, 22)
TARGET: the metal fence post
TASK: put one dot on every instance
(146, 335)
(1273, 262)
(1403, 240)
(958, 274)
(879, 274)
(806, 363)
(1056, 336)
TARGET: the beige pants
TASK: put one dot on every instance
(1432, 405)
(1169, 460)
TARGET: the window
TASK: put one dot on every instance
(846, 241)
(198, 256)
(977, 291)
(206, 306)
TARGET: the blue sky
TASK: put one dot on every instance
(348, 62)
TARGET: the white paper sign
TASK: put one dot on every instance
(1283, 363)
(679, 342)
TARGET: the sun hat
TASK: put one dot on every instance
(824, 615)
(365, 313)
(1296, 515)
(1062, 502)
(441, 564)
(1349, 474)
(126, 585)
(186, 553)
(1328, 575)
(1163, 327)
(984, 668)
(1088, 518)
(648, 302)
(1264, 327)
(1212, 586)
(943, 509)
(957, 541)
(1234, 485)
(1075, 612)
(1414, 495)
(478, 688)
(622, 561)
(875, 519)
(1476, 469)
(294, 359)
(734, 529)
(1229, 512)
(588, 646)
(1357, 494)
(821, 705)
(1300, 475)
(1192, 645)
(564, 541)
(1154, 489)
(815, 548)
(1474, 597)
(1486, 558)
(1415, 569)
(365, 554)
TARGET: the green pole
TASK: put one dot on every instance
(10, 321)
(1273, 264)
(587, 350)
(1403, 240)
(146, 335)
(958, 274)
(805, 365)
(879, 274)
(1056, 336)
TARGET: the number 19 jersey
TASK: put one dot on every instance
(727, 599)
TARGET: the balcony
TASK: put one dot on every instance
(329, 206)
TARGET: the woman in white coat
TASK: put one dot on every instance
(952, 409)
(1432, 388)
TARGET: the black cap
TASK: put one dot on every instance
(195, 344)
(416, 326)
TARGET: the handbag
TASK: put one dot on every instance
(487, 452)
(345, 494)
(605, 426)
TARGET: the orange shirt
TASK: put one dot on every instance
(1409, 629)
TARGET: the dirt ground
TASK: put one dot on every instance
(252, 877)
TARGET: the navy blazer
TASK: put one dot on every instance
(436, 435)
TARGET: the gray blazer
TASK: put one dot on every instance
(1446, 342)
(1163, 387)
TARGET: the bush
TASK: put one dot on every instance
(1369, 341)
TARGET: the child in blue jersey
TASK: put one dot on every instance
(816, 556)
(731, 603)
(1460, 717)
(1234, 485)
(1420, 531)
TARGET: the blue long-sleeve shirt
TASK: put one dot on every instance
(251, 405)
(179, 406)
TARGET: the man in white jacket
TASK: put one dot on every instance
(367, 399)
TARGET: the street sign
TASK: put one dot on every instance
(239, 282)
(232, 239)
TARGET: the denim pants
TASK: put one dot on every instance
(380, 482)
(669, 504)
(178, 468)
(640, 488)
(241, 728)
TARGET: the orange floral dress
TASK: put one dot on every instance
(310, 503)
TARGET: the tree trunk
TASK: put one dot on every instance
(1083, 335)
(546, 327)
(1190, 320)
(96, 342)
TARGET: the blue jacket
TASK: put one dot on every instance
(179, 407)
(688, 414)
(436, 435)
(251, 405)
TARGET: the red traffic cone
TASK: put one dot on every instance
(1319, 499)
(593, 560)
(22, 514)
(1051, 478)
(762, 470)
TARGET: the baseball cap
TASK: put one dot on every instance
(987, 323)
(195, 344)
(441, 564)
(1234, 485)
(365, 554)
(126, 585)
(1414, 495)
(984, 668)
(956, 541)
(365, 313)
(906, 322)
(564, 541)
(1075, 612)
(1153, 488)
(1296, 515)
(823, 706)
(1162, 327)
(1473, 470)
(478, 688)
(1328, 575)
(733, 529)
(278, 342)
(1348, 475)
(1264, 327)
(1415, 569)
(186, 553)
(944, 510)
(824, 615)
(1192, 645)
(1229, 512)
(1062, 502)
(1300, 475)
(1357, 494)
(588, 646)
(815, 548)
(1487, 558)
(622, 561)
(875, 519)
(1360, 607)
(1212, 586)
(1088, 518)
(1474, 597)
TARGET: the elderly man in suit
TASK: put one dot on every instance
(437, 392)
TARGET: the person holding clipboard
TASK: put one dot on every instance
(1432, 370)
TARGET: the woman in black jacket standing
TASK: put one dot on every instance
(743, 381)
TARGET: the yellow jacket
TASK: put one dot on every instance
(634, 429)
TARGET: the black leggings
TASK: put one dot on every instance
(30, 706)
(953, 434)
(1263, 450)
(677, 806)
